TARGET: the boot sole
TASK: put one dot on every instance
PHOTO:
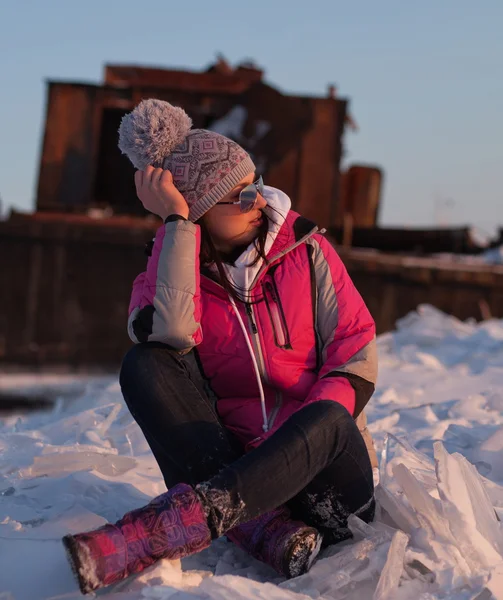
(302, 553)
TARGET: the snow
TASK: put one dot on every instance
(437, 420)
(233, 123)
(494, 256)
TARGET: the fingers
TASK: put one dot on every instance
(147, 175)
(166, 178)
(138, 180)
(153, 177)
(156, 191)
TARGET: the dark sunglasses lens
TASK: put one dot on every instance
(248, 197)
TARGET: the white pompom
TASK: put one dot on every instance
(152, 131)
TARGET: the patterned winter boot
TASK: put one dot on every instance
(172, 526)
(289, 547)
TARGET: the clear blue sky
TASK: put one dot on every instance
(425, 81)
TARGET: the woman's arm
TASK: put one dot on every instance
(165, 302)
(347, 334)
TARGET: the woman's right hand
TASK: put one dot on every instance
(158, 194)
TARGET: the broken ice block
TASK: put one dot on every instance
(69, 462)
(491, 452)
(471, 517)
(390, 576)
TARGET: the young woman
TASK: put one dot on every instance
(254, 358)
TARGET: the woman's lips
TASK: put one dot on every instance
(257, 222)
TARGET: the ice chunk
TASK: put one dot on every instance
(491, 452)
(354, 566)
(57, 464)
(472, 520)
(359, 528)
(434, 537)
(108, 422)
(424, 505)
(390, 576)
(401, 515)
(384, 460)
(229, 587)
(495, 583)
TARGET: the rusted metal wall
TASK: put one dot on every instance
(454, 240)
(81, 166)
(392, 286)
(65, 284)
(360, 196)
(320, 155)
(67, 163)
(64, 298)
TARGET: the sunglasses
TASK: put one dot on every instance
(248, 196)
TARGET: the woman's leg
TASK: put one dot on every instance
(183, 520)
(166, 394)
(330, 498)
(317, 462)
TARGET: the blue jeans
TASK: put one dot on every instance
(316, 462)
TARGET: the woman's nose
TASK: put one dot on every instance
(261, 202)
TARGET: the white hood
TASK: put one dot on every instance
(241, 275)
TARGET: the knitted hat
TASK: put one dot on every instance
(205, 165)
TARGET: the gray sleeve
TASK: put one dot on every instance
(166, 306)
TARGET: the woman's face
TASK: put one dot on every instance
(228, 226)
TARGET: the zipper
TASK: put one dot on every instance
(271, 302)
(277, 299)
(277, 316)
(256, 342)
(253, 326)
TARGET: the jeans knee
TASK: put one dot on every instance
(143, 361)
(333, 413)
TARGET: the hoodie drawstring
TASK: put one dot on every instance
(265, 427)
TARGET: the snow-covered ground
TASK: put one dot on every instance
(437, 534)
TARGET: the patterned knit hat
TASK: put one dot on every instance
(205, 165)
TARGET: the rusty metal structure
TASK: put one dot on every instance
(296, 141)
(65, 297)
(360, 196)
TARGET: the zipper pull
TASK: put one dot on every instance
(250, 316)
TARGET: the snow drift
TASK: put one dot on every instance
(437, 419)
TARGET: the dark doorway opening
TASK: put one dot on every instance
(115, 173)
